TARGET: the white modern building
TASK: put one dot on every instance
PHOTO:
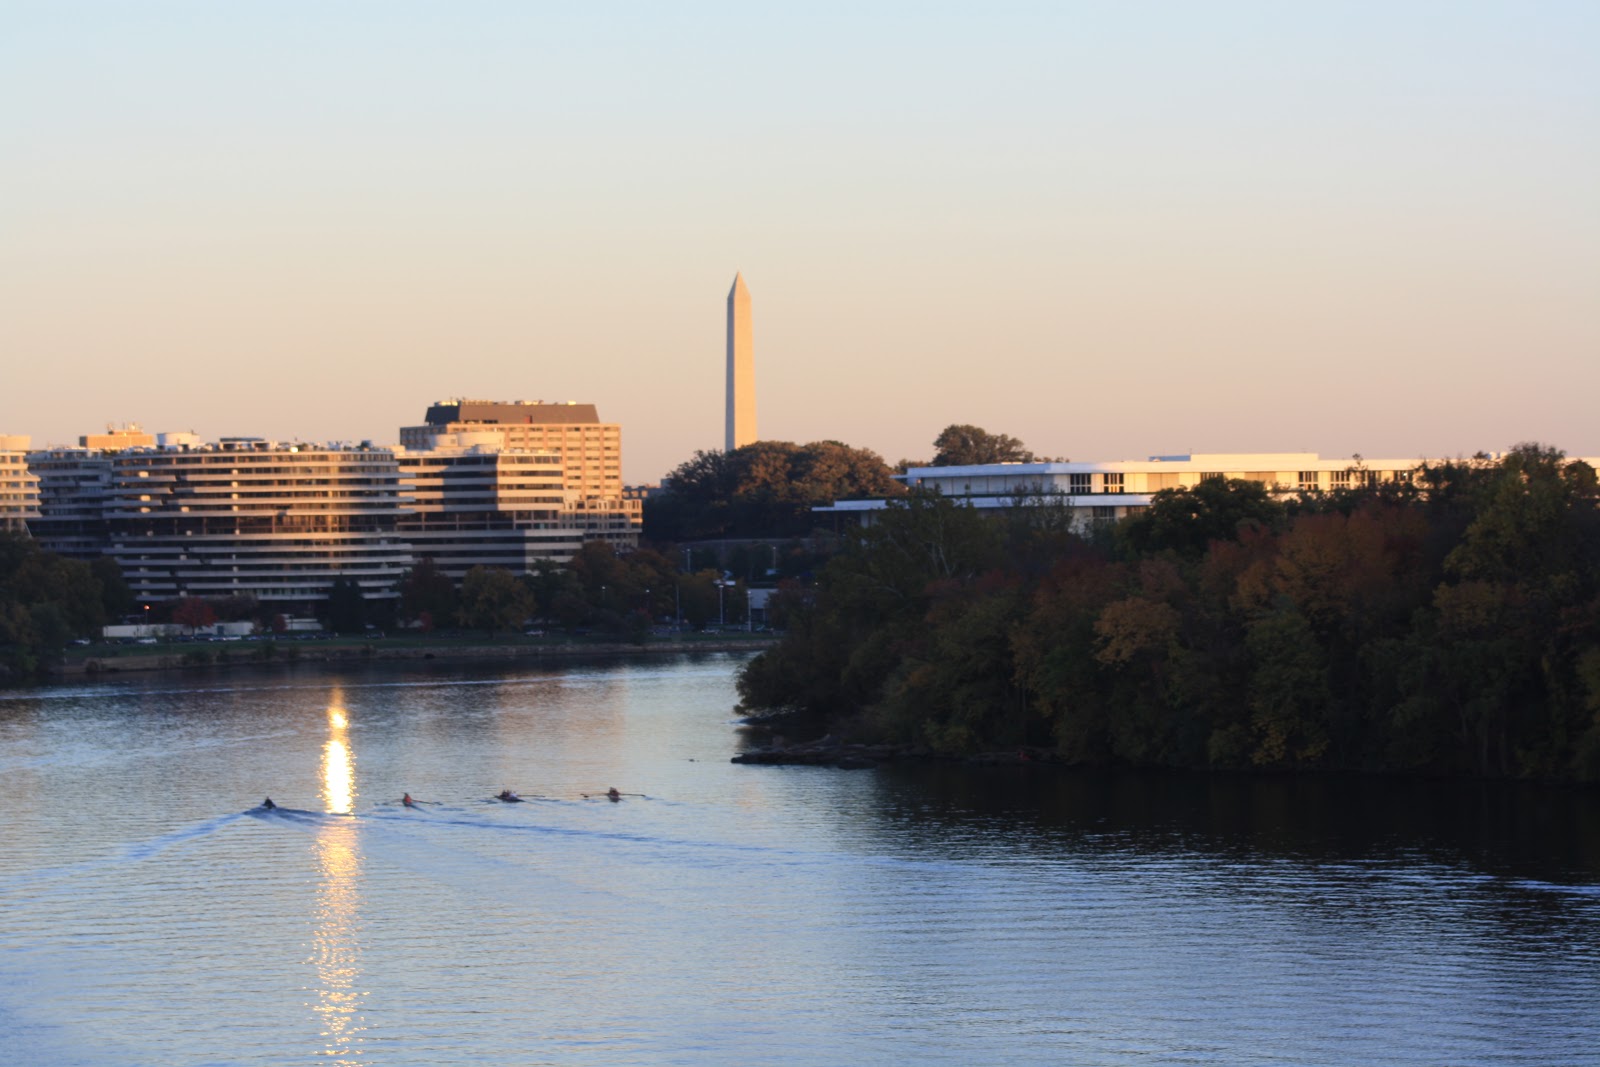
(19, 488)
(245, 516)
(1104, 492)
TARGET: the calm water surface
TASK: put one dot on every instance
(150, 913)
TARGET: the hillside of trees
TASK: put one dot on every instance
(1450, 626)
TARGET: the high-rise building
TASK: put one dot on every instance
(590, 453)
(74, 487)
(74, 484)
(251, 517)
(476, 504)
(19, 489)
(590, 450)
(741, 427)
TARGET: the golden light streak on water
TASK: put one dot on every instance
(338, 764)
(335, 941)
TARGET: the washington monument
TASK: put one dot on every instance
(741, 369)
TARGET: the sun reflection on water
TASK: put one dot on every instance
(335, 942)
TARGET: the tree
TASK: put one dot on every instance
(960, 444)
(115, 596)
(697, 597)
(1186, 520)
(346, 608)
(493, 599)
(427, 593)
(868, 616)
(45, 600)
(194, 613)
(765, 489)
(547, 583)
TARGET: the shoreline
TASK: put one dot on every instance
(256, 656)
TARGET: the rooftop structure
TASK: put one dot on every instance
(117, 438)
(510, 412)
(741, 417)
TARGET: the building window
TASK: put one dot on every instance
(1340, 479)
(1102, 513)
(1079, 484)
(1309, 481)
(1113, 482)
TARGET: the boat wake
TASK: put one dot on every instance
(133, 852)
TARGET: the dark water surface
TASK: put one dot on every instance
(150, 914)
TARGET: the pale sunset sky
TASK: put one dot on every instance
(1109, 229)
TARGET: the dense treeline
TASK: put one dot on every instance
(765, 489)
(1450, 625)
(622, 595)
(47, 601)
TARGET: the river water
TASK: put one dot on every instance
(151, 913)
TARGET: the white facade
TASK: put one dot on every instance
(1099, 492)
(19, 489)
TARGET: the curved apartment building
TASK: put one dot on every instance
(252, 517)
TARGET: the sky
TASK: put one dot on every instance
(1112, 230)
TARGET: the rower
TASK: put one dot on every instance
(613, 795)
(407, 801)
(268, 804)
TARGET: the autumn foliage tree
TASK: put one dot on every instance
(1448, 627)
(194, 613)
